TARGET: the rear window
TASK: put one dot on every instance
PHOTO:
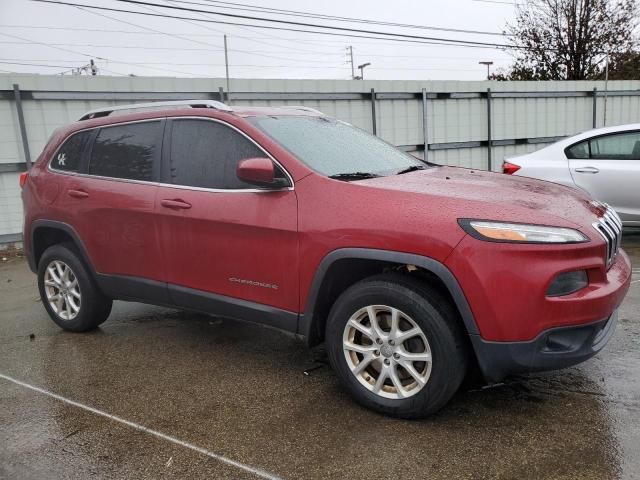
(69, 155)
(126, 151)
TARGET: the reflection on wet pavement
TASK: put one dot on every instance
(238, 390)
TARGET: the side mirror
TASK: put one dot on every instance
(259, 171)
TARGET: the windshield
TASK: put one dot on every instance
(336, 149)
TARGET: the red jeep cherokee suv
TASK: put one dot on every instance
(409, 272)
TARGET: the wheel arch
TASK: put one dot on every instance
(45, 233)
(343, 267)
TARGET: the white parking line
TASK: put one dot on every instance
(247, 468)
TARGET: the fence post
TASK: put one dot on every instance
(595, 106)
(425, 133)
(489, 153)
(23, 127)
(221, 94)
(373, 112)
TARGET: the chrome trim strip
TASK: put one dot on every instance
(182, 187)
(610, 227)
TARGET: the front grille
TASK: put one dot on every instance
(610, 227)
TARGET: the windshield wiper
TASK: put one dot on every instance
(353, 176)
(412, 168)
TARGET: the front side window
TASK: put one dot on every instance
(335, 148)
(206, 154)
(126, 151)
(68, 156)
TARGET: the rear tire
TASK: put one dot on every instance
(410, 360)
(68, 291)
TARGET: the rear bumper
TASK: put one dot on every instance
(552, 349)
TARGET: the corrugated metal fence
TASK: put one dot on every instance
(471, 124)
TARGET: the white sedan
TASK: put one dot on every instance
(604, 162)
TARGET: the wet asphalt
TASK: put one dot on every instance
(239, 392)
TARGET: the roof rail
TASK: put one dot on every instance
(303, 108)
(106, 111)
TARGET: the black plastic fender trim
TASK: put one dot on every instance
(65, 227)
(437, 268)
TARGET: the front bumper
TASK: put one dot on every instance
(552, 349)
(506, 286)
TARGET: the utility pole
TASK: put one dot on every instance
(606, 85)
(226, 68)
(353, 72)
(361, 67)
(488, 64)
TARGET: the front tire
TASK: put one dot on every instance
(397, 346)
(68, 292)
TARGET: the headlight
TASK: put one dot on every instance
(519, 232)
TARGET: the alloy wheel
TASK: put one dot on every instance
(387, 351)
(62, 290)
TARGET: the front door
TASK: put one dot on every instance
(608, 167)
(224, 240)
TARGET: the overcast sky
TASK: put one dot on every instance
(63, 37)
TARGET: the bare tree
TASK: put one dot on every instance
(624, 66)
(569, 39)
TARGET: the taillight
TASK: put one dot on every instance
(23, 178)
(510, 168)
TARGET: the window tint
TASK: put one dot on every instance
(621, 146)
(206, 154)
(579, 150)
(69, 155)
(126, 151)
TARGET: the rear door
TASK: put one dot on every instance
(608, 167)
(220, 235)
(113, 200)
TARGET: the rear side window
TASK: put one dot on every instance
(126, 151)
(579, 150)
(206, 154)
(621, 146)
(69, 155)
(618, 146)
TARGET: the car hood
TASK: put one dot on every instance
(471, 193)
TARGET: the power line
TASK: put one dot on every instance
(184, 64)
(262, 42)
(298, 13)
(36, 64)
(12, 61)
(439, 41)
(254, 39)
(304, 24)
(513, 4)
(171, 35)
(86, 54)
(96, 45)
(222, 33)
(211, 46)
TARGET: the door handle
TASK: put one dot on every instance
(587, 170)
(175, 204)
(77, 193)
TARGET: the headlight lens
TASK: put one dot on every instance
(520, 233)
